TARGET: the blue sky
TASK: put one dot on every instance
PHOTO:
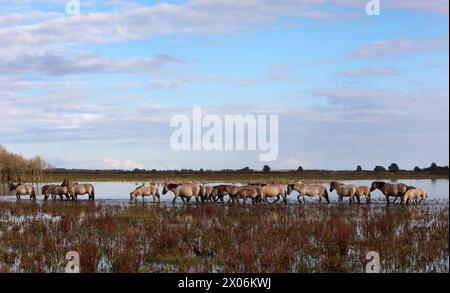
(98, 90)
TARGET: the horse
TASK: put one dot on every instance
(249, 191)
(414, 194)
(185, 191)
(23, 189)
(57, 190)
(272, 190)
(208, 193)
(46, 190)
(345, 191)
(221, 190)
(75, 189)
(390, 190)
(364, 191)
(309, 190)
(145, 191)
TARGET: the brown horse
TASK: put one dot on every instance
(221, 190)
(251, 191)
(208, 193)
(46, 190)
(390, 190)
(23, 189)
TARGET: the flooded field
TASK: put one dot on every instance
(35, 237)
(114, 235)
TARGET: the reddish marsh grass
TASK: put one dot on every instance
(220, 238)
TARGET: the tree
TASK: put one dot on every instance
(359, 168)
(379, 169)
(266, 168)
(434, 167)
(300, 169)
(417, 169)
(394, 167)
(246, 169)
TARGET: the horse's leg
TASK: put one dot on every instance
(395, 199)
(174, 199)
(18, 196)
(387, 199)
(320, 198)
(359, 200)
(298, 198)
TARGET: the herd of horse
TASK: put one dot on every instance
(256, 192)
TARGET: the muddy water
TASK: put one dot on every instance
(438, 189)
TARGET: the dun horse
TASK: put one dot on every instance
(345, 191)
(56, 190)
(309, 190)
(414, 194)
(145, 191)
(390, 190)
(185, 191)
(76, 189)
(364, 191)
(23, 189)
(272, 190)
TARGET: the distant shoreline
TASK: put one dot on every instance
(233, 176)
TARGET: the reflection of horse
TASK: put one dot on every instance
(345, 191)
(364, 191)
(23, 189)
(145, 191)
(185, 191)
(414, 194)
(309, 190)
(390, 190)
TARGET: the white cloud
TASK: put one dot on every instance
(399, 47)
(369, 71)
(122, 164)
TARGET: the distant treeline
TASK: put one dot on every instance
(434, 168)
(14, 167)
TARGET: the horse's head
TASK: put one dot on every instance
(13, 186)
(376, 185)
(169, 187)
(334, 185)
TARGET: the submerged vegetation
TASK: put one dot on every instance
(35, 237)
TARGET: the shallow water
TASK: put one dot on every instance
(438, 189)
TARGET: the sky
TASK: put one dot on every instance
(98, 90)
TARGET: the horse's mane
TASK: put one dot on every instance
(173, 185)
(380, 184)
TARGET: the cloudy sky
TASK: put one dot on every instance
(98, 90)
